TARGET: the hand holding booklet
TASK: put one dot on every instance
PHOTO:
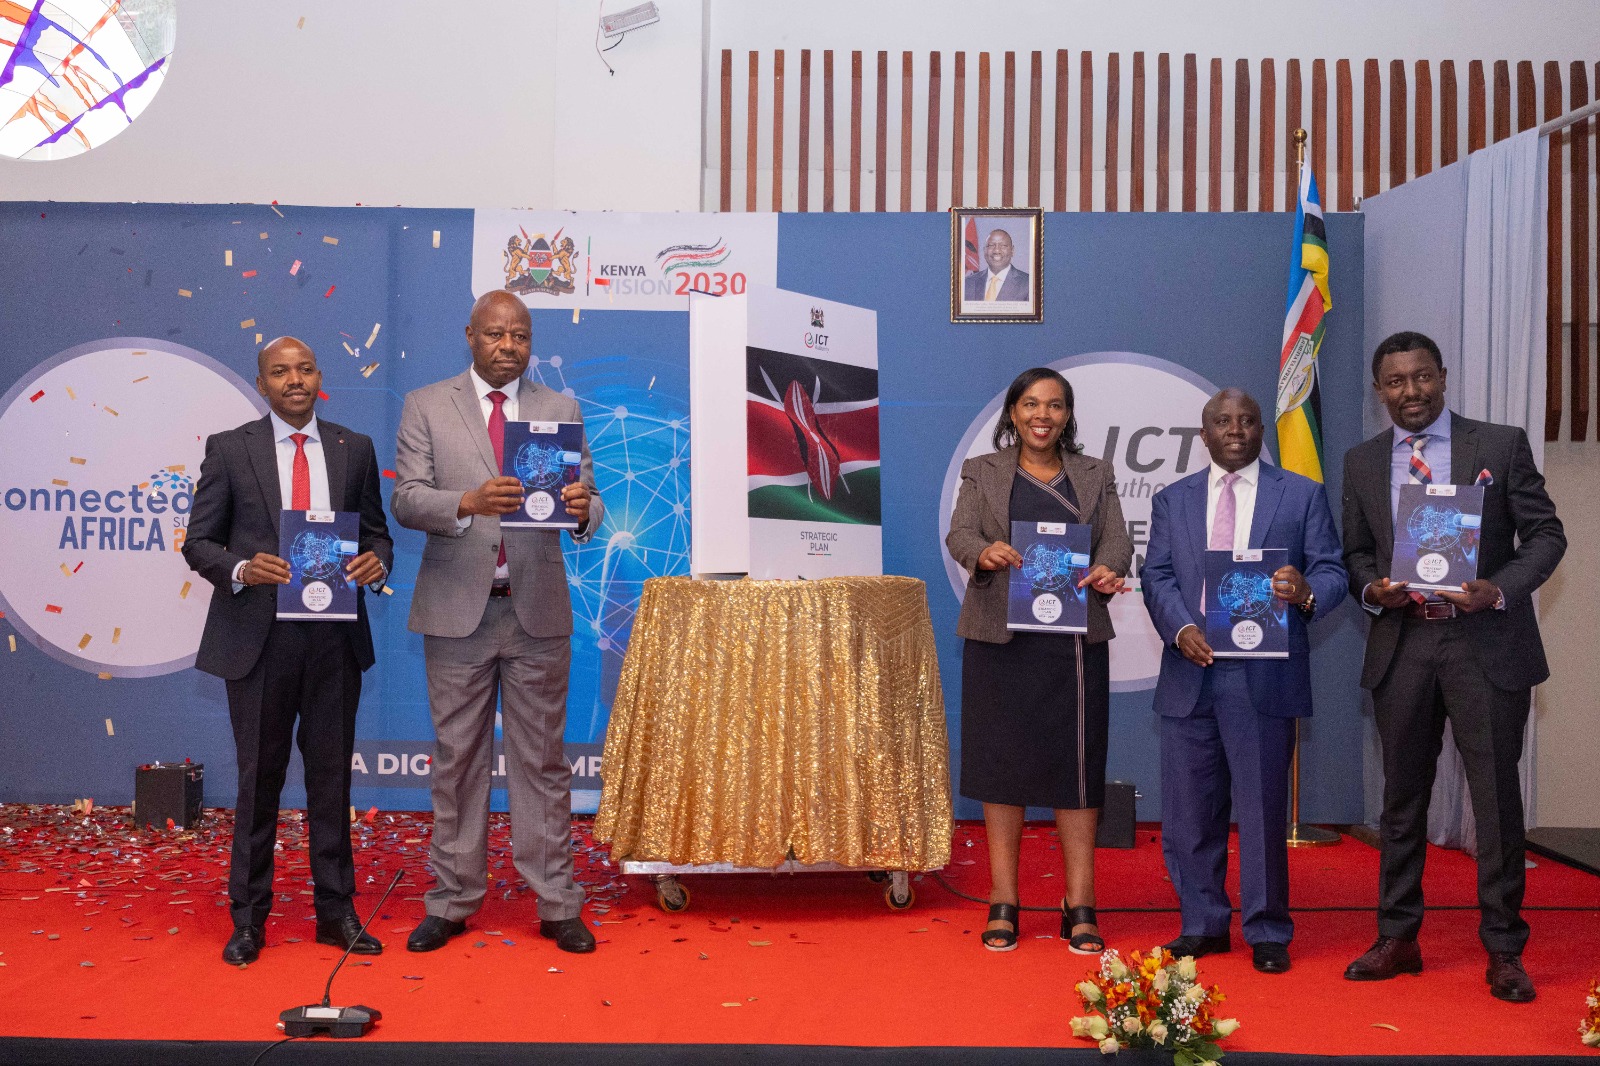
(1436, 534)
(1044, 596)
(545, 457)
(318, 545)
(1244, 618)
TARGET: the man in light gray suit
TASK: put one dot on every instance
(496, 622)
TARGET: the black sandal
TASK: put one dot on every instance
(1080, 943)
(1001, 939)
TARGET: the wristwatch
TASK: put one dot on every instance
(1309, 607)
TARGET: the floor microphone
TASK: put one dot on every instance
(338, 1022)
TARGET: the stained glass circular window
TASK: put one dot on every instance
(78, 72)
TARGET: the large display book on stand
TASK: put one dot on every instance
(791, 719)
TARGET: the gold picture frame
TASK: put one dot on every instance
(996, 264)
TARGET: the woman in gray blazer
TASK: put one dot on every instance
(1035, 706)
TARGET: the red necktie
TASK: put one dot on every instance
(300, 485)
(497, 441)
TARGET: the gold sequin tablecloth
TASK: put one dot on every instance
(756, 717)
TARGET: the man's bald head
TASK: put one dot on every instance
(500, 332)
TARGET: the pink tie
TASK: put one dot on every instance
(1222, 524)
(497, 440)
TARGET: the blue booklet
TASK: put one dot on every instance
(1044, 596)
(318, 545)
(1244, 620)
(1436, 533)
(545, 457)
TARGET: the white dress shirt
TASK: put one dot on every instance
(508, 410)
(316, 462)
(1244, 497)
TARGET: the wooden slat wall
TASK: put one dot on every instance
(1417, 104)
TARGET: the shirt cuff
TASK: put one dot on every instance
(1179, 633)
(1366, 604)
(462, 523)
(238, 576)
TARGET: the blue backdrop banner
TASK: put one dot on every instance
(131, 331)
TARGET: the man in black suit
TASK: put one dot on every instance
(278, 671)
(1000, 280)
(1470, 656)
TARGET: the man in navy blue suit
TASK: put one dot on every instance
(1227, 730)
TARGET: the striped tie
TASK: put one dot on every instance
(1420, 474)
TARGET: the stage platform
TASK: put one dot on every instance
(110, 942)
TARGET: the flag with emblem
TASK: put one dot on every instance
(813, 439)
(1305, 321)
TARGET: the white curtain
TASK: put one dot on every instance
(1460, 255)
(1500, 376)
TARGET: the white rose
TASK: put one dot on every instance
(1095, 1027)
(1109, 1046)
(1186, 968)
(1118, 969)
(1079, 1028)
(1158, 1032)
(1131, 1024)
(1225, 1026)
(1591, 1038)
(1194, 993)
(1089, 991)
(1161, 980)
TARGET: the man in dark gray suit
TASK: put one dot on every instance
(497, 625)
(1471, 656)
(278, 671)
(1001, 281)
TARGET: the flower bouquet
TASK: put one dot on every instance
(1152, 1001)
(1589, 1028)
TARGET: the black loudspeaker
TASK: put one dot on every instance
(1116, 816)
(173, 791)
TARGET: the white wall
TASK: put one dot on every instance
(503, 103)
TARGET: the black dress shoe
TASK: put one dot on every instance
(433, 933)
(570, 934)
(1271, 956)
(346, 933)
(245, 945)
(1199, 946)
(1507, 979)
(1386, 958)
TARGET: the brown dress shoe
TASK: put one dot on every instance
(1386, 958)
(1507, 979)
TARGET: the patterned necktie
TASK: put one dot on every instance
(993, 288)
(497, 441)
(1420, 474)
(300, 482)
(1223, 522)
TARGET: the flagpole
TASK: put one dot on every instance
(1300, 834)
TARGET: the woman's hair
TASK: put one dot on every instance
(1005, 431)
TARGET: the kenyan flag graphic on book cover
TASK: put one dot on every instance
(813, 439)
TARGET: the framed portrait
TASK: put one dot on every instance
(996, 264)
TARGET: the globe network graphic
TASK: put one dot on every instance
(636, 415)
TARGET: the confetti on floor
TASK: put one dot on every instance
(185, 293)
(227, 257)
(373, 336)
(247, 323)
(329, 292)
(11, 638)
(294, 269)
(330, 240)
(367, 370)
(249, 273)
(274, 206)
(111, 730)
(436, 238)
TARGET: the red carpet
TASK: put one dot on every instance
(109, 934)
